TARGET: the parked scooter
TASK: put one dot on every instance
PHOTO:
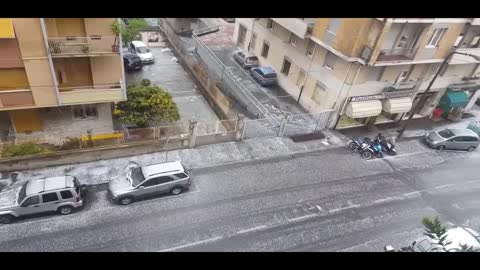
(377, 148)
(388, 146)
(356, 143)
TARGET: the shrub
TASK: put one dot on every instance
(14, 150)
(70, 144)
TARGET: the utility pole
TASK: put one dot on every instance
(251, 34)
(424, 97)
(306, 72)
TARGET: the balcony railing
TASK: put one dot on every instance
(90, 87)
(16, 98)
(78, 46)
(329, 38)
(96, 93)
(396, 54)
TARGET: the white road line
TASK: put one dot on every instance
(386, 199)
(302, 217)
(396, 156)
(412, 193)
(444, 186)
(343, 208)
(192, 244)
(252, 229)
(319, 208)
(473, 181)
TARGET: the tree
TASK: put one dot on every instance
(435, 230)
(147, 104)
(131, 29)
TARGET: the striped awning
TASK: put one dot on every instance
(362, 109)
(397, 105)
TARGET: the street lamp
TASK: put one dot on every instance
(422, 99)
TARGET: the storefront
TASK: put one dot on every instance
(386, 107)
(458, 99)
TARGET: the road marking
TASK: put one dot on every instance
(386, 199)
(473, 181)
(302, 217)
(252, 229)
(444, 186)
(343, 208)
(412, 193)
(319, 208)
(192, 244)
(396, 156)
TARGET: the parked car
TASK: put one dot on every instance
(264, 75)
(59, 194)
(459, 139)
(230, 20)
(142, 51)
(132, 62)
(171, 177)
(245, 59)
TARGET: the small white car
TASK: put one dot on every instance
(139, 48)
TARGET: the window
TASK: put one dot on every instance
(301, 77)
(85, 111)
(330, 60)
(50, 197)
(402, 43)
(270, 24)
(475, 41)
(164, 179)
(31, 201)
(66, 194)
(459, 38)
(179, 176)
(436, 37)
(241, 54)
(310, 48)
(333, 25)
(253, 42)
(265, 50)
(293, 39)
(401, 77)
(317, 92)
(446, 133)
(152, 182)
(286, 66)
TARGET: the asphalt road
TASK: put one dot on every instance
(327, 201)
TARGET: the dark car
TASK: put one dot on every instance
(264, 75)
(132, 61)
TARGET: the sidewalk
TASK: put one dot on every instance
(92, 173)
(417, 128)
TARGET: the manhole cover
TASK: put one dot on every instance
(308, 137)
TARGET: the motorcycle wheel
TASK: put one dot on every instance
(353, 145)
(379, 155)
(392, 153)
(366, 155)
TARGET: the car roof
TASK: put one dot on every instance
(247, 54)
(162, 168)
(48, 184)
(461, 236)
(463, 132)
(138, 43)
(267, 70)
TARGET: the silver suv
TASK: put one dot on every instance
(171, 177)
(59, 194)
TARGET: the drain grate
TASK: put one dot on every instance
(308, 137)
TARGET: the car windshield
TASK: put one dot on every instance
(143, 50)
(252, 59)
(22, 193)
(446, 133)
(137, 176)
(270, 75)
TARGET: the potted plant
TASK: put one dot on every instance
(54, 47)
(85, 49)
(117, 30)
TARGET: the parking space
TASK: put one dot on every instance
(170, 75)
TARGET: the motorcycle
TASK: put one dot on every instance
(377, 148)
(388, 146)
(365, 149)
(356, 143)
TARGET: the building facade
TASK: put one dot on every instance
(369, 70)
(59, 76)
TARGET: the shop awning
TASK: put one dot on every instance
(361, 109)
(456, 99)
(397, 105)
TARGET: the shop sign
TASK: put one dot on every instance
(366, 98)
(394, 94)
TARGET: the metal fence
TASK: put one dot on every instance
(306, 123)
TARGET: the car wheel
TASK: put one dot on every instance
(5, 219)
(441, 147)
(471, 148)
(126, 200)
(176, 190)
(65, 210)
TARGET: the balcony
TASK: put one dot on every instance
(396, 55)
(461, 59)
(82, 46)
(301, 27)
(91, 94)
(16, 98)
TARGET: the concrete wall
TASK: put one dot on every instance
(75, 71)
(106, 70)
(61, 27)
(89, 96)
(10, 56)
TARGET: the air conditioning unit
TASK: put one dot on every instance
(366, 53)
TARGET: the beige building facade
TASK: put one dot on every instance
(369, 70)
(59, 76)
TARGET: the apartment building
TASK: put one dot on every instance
(369, 70)
(59, 76)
